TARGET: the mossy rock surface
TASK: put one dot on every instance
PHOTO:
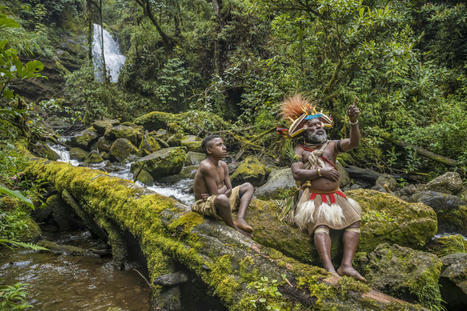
(190, 122)
(386, 218)
(103, 125)
(62, 213)
(405, 273)
(450, 182)
(133, 134)
(149, 145)
(192, 143)
(250, 170)
(122, 148)
(144, 176)
(445, 245)
(78, 154)
(94, 157)
(167, 161)
(453, 281)
(103, 144)
(85, 139)
(279, 180)
(194, 158)
(43, 150)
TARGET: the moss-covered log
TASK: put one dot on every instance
(245, 275)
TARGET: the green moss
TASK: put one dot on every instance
(186, 222)
(446, 245)
(250, 170)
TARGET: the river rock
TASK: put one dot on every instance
(194, 158)
(149, 145)
(446, 245)
(133, 134)
(43, 150)
(167, 161)
(405, 273)
(84, 139)
(171, 279)
(122, 148)
(453, 281)
(450, 182)
(250, 170)
(143, 176)
(451, 210)
(103, 125)
(94, 157)
(345, 177)
(192, 143)
(362, 173)
(103, 144)
(386, 218)
(78, 154)
(387, 182)
(278, 181)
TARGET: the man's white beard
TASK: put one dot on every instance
(317, 139)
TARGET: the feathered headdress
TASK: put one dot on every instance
(298, 109)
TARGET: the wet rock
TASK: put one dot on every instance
(84, 139)
(42, 150)
(453, 281)
(362, 173)
(445, 245)
(387, 182)
(449, 182)
(168, 300)
(405, 273)
(171, 279)
(122, 148)
(451, 210)
(192, 143)
(407, 191)
(94, 157)
(78, 154)
(167, 161)
(250, 170)
(278, 181)
(102, 125)
(133, 134)
(194, 158)
(143, 176)
(62, 213)
(149, 144)
(103, 144)
(386, 218)
(66, 249)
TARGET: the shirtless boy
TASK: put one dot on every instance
(213, 191)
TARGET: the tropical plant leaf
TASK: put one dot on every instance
(16, 194)
(22, 244)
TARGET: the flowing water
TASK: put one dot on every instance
(114, 60)
(61, 282)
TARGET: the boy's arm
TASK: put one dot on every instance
(227, 183)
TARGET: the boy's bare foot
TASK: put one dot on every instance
(350, 271)
(242, 224)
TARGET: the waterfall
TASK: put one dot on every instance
(114, 60)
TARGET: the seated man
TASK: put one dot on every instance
(322, 205)
(213, 191)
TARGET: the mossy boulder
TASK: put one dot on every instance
(143, 176)
(387, 182)
(133, 134)
(103, 144)
(167, 161)
(445, 245)
(279, 181)
(194, 158)
(192, 143)
(450, 182)
(453, 281)
(43, 150)
(345, 177)
(122, 148)
(386, 218)
(16, 222)
(84, 139)
(190, 122)
(149, 145)
(450, 210)
(405, 273)
(62, 213)
(78, 154)
(94, 157)
(250, 170)
(101, 126)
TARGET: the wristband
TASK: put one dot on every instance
(353, 123)
(319, 172)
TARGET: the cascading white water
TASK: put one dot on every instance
(114, 60)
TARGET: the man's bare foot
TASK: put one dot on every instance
(350, 271)
(332, 271)
(248, 234)
(241, 223)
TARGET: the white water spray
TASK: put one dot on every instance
(114, 60)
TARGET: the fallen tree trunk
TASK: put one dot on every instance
(242, 273)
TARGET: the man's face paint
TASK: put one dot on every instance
(314, 132)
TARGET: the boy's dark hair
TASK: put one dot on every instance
(206, 140)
